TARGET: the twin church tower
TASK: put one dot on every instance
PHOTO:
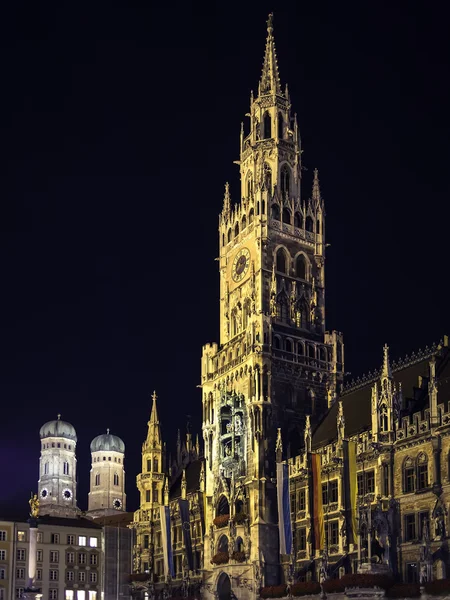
(58, 472)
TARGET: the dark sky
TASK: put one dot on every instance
(119, 126)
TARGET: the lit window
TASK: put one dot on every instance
(93, 541)
(21, 536)
(69, 594)
(81, 540)
(92, 595)
(81, 595)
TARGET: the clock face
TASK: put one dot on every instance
(241, 264)
(117, 503)
(44, 493)
(67, 494)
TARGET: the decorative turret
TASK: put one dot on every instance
(384, 403)
(150, 481)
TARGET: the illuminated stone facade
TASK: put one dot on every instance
(275, 362)
(399, 420)
(162, 484)
(107, 481)
(58, 469)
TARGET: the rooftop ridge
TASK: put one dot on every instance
(398, 365)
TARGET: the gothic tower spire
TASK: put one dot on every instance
(270, 77)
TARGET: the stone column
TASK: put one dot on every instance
(31, 591)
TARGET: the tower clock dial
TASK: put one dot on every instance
(241, 265)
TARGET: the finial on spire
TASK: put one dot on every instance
(154, 396)
(386, 372)
(270, 23)
(107, 431)
(59, 416)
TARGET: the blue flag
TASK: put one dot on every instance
(166, 541)
(284, 509)
(186, 525)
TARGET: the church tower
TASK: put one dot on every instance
(150, 483)
(107, 488)
(276, 363)
(58, 469)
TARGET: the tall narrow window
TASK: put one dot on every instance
(267, 126)
(66, 468)
(309, 224)
(97, 479)
(298, 220)
(149, 465)
(116, 479)
(155, 464)
(275, 212)
(46, 469)
(280, 126)
(286, 216)
(285, 180)
(300, 267)
(281, 261)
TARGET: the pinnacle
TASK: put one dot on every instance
(270, 77)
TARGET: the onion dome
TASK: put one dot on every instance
(58, 429)
(106, 442)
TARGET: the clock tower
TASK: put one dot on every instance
(276, 363)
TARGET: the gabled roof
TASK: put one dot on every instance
(356, 401)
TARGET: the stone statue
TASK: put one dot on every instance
(323, 571)
(34, 506)
(238, 424)
(423, 573)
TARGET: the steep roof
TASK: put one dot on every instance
(193, 470)
(356, 401)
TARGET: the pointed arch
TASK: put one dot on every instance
(229, 235)
(288, 345)
(422, 471)
(281, 261)
(275, 211)
(384, 421)
(251, 216)
(280, 126)
(236, 230)
(309, 224)
(276, 342)
(286, 216)
(243, 222)
(300, 266)
(298, 220)
(267, 125)
(409, 475)
(285, 176)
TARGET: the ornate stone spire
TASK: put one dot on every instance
(183, 485)
(270, 77)
(227, 200)
(154, 429)
(386, 371)
(316, 197)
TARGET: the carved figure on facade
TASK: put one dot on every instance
(34, 506)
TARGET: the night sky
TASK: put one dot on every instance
(119, 127)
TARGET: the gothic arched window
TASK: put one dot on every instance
(116, 479)
(280, 126)
(286, 216)
(275, 212)
(244, 222)
(318, 226)
(276, 342)
(298, 220)
(229, 235)
(267, 125)
(97, 479)
(309, 226)
(236, 230)
(300, 267)
(251, 216)
(384, 421)
(285, 179)
(288, 345)
(281, 261)
(422, 471)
